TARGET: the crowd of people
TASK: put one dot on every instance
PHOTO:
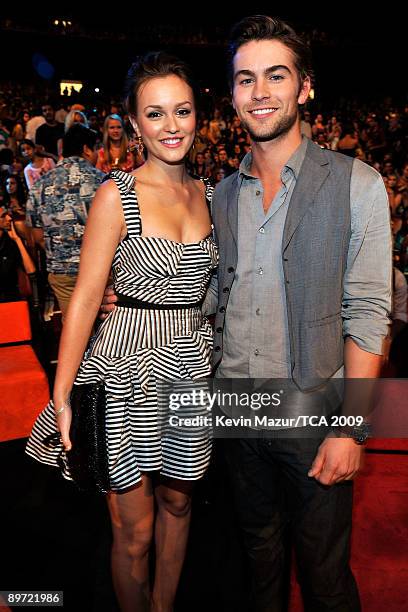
(31, 137)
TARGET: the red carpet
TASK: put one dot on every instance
(380, 533)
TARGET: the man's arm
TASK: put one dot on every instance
(38, 235)
(366, 310)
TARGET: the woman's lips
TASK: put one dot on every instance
(172, 143)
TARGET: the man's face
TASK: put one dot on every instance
(5, 219)
(223, 157)
(48, 112)
(91, 155)
(266, 89)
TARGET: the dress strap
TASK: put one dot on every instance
(125, 182)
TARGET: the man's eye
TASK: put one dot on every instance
(245, 81)
(276, 77)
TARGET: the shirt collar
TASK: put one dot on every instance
(294, 163)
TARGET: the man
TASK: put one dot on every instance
(14, 258)
(49, 134)
(57, 209)
(305, 126)
(303, 295)
(34, 123)
(223, 163)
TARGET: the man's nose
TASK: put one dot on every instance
(260, 90)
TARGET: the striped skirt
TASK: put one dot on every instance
(140, 355)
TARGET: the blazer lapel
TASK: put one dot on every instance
(314, 171)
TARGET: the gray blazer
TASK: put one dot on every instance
(314, 256)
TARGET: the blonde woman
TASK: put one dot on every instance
(115, 154)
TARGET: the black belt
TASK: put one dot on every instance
(130, 302)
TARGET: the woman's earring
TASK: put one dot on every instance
(140, 145)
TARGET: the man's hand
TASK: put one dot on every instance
(108, 302)
(337, 459)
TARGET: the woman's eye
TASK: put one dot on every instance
(153, 115)
(184, 111)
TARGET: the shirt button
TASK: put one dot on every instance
(217, 349)
(262, 230)
(258, 311)
(222, 309)
(257, 192)
(260, 271)
(230, 269)
(256, 352)
(225, 290)
(219, 330)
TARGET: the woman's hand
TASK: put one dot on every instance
(13, 234)
(63, 414)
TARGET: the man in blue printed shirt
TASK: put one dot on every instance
(58, 206)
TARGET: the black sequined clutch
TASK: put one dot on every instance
(88, 458)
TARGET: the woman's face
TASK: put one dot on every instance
(11, 185)
(200, 158)
(166, 118)
(26, 117)
(27, 152)
(115, 130)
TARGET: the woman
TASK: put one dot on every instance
(38, 164)
(154, 225)
(19, 129)
(115, 152)
(74, 116)
(15, 202)
(199, 167)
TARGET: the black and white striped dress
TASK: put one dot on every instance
(136, 347)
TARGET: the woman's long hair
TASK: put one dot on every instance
(106, 142)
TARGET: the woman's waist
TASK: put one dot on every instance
(128, 329)
(175, 303)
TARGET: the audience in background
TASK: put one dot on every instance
(374, 134)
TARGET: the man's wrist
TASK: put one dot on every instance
(358, 433)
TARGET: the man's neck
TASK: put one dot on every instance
(269, 158)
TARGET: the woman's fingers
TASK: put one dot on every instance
(64, 424)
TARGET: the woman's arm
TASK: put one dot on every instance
(102, 235)
(28, 264)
